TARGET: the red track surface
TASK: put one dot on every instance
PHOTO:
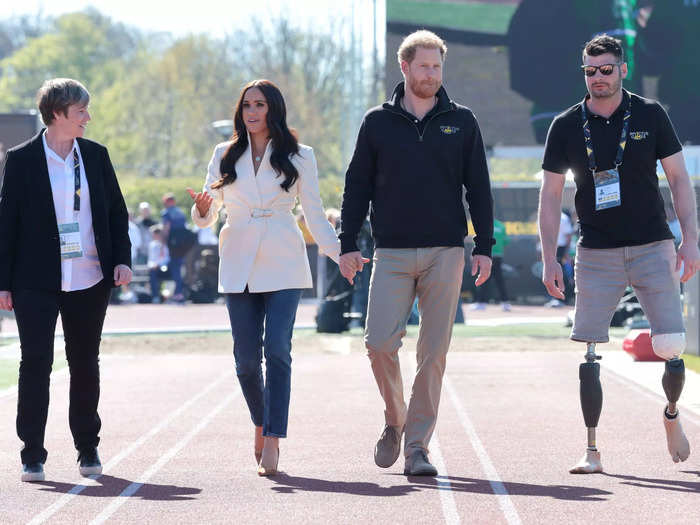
(197, 466)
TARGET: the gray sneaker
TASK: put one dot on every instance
(417, 464)
(388, 448)
(33, 472)
(89, 463)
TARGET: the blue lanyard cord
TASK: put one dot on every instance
(589, 142)
(76, 178)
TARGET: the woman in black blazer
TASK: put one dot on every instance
(64, 244)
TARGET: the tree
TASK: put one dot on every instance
(15, 31)
(157, 119)
(309, 67)
(153, 98)
(86, 46)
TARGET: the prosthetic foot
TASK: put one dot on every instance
(678, 445)
(591, 394)
(588, 464)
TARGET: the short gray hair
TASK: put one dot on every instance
(57, 95)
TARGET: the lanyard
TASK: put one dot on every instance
(76, 178)
(589, 142)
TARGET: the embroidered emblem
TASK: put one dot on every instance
(449, 130)
(639, 135)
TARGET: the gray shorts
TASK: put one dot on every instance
(602, 276)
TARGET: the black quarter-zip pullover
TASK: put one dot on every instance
(413, 172)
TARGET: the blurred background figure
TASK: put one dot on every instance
(179, 240)
(144, 221)
(158, 261)
(323, 268)
(566, 230)
(483, 292)
(127, 295)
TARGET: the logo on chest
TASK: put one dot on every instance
(449, 130)
(639, 135)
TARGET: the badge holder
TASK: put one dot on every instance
(607, 189)
(69, 238)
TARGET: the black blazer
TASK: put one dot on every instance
(29, 248)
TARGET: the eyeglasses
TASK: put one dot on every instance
(605, 69)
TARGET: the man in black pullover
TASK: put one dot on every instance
(413, 157)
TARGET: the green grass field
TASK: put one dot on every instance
(467, 16)
(514, 338)
(10, 367)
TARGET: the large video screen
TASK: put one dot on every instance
(516, 64)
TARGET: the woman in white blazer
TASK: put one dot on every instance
(258, 176)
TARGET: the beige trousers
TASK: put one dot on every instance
(399, 275)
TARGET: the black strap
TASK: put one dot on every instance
(76, 178)
(589, 142)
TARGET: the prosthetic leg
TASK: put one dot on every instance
(670, 347)
(591, 394)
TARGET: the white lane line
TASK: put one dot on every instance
(494, 479)
(447, 498)
(449, 505)
(170, 454)
(650, 394)
(78, 488)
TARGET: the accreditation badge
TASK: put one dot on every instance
(69, 238)
(607, 189)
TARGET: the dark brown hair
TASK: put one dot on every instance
(604, 44)
(283, 142)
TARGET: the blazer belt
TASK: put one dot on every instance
(263, 213)
(258, 213)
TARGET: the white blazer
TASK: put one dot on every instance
(261, 244)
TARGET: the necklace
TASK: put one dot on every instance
(257, 158)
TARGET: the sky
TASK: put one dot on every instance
(215, 17)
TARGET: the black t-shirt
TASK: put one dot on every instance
(640, 218)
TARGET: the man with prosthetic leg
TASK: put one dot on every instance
(611, 141)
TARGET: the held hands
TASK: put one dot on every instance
(350, 263)
(482, 264)
(688, 257)
(553, 279)
(6, 301)
(202, 201)
(122, 275)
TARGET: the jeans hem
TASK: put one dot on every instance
(272, 434)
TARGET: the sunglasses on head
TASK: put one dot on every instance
(605, 69)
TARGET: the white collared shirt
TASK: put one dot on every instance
(83, 272)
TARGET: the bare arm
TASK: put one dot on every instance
(548, 219)
(686, 209)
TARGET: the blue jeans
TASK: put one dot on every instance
(175, 269)
(264, 321)
(156, 276)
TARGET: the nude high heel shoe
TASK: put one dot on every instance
(258, 446)
(268, 462)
